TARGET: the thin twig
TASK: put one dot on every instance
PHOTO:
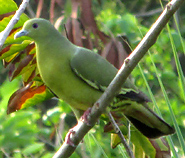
(149, 13)
(4, 34)
(99, 107)
(30, 11)
(4, 152)
(52, 8)
(120, 134)
(39, 8)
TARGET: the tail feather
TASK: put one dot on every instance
(151, 132)
(143, 118)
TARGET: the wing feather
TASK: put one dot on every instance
(95, 70)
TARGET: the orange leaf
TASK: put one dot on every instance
(28, 96)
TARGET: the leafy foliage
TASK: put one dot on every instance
(19, 55)
(20, 132)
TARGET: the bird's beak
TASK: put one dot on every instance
(20, 34)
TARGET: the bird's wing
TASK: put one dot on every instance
(95, 70)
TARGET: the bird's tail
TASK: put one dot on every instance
(143, 118)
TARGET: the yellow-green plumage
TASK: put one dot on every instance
(78, 76)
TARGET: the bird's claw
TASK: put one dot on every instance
(68, 138)
(85, 117)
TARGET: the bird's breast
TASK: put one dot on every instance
(60, 78)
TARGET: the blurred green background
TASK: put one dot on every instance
(38, 131)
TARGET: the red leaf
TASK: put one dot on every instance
(24, 60)
(19, 98)
(5, 50)
(6, 15)
(22, 64)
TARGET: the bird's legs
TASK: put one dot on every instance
(84, 118)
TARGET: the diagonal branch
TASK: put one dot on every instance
(4, 34)
(129, 64)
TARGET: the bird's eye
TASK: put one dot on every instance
(35, 25)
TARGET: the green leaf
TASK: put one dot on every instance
(17, 155)
(33, 148)
(7, 6)
(12, 49)
(143, 144)
(48, 155)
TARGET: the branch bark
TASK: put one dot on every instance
(129, 64)
(4, 34)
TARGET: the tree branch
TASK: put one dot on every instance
(120, 134)
(4, 34)
(129, 64)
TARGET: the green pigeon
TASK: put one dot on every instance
(79, 77)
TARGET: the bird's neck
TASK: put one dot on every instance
(56, 48)
(55, 39)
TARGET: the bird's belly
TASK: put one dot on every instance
(72, 89)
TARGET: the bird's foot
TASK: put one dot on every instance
(68, 138)
(85, 117)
